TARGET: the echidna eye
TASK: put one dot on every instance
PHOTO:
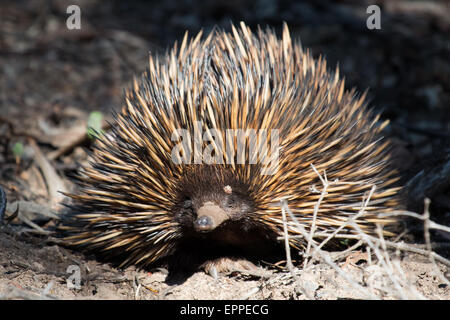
(231, 203)
(187, 203)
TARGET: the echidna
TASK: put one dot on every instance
(149, 195)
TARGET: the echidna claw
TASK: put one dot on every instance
(227, 265)
(213, 272)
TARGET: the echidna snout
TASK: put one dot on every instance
(209, 216)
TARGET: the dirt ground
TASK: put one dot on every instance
(37, 271)
(52, 78)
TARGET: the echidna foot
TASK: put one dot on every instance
(226, 265)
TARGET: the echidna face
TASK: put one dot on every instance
(213, 206)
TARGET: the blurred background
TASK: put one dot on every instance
(52, 78)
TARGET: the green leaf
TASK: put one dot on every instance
(94, 125)
(18, 149)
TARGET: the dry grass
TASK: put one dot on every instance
(382, 277)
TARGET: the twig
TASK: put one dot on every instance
(30, 206)
(339, 255)
(137, 287)
(431, 224)
(15, 293)
(16, 133)
(326, 258)
(316, 210)
(342, 226)
(54, 184)
(82, 139)
(399, 246)
(387, 263)
(288, 251)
